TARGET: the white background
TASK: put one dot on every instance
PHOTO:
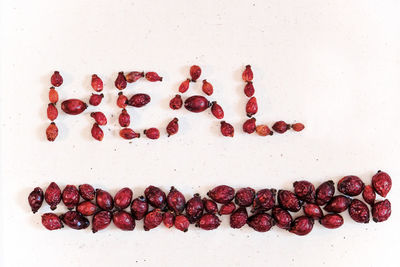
(334, 65)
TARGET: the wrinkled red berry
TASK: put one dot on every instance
(53, 95)
(197, 103)
(104, 200)
(152, 133)
(381, 211)
(35, 199)
(208, 222)
(87, 191)
(139, 208)
(122, 100)
(95, 99)
(124, 118)
(172, 127)
(263, 130)
(86, 208)
(264, 200)
(227, 129)
(176, 102)
(133, 76)
(128, 133)
(249, 89)
(96, 83)
(282, 217)
(369, 194)
(382, 183)
(75, 220)
(249, 126)
(302, 225)
(99, 117)
(52, 112)
(70, 196)
(51, 221)
(227, 209)
(280, 127)
(120, 82)
(247, 74)
(56, 79)
(222, 194)
(124, 221)
(324, 192)
(245, 196)
(123, 198)
(313, 211)
(73, 106)
(238, 218)
(52, 132)
(182, 223)
(350, 185)
(176, 200)
(168, 219)
(195, 72)
(217, 110)
(184, 86)
(207, 88)
(152, 219)
(210, 206)
(97, 132)
(156, 197)
(338, 204)
(261, 222)
(298, 127)
(359, 211)
(194, 208)
(305, 191)
(52, 195)
(288, 201)
(101, 220)
(251, 107)
(153, 77)
(139, 100)
(332, 221)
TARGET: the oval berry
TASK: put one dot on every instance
(217, 110)
(73, 106)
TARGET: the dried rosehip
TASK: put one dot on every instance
(96, 83)
(359, 211)
(195, 72)
(52, 112)
(168, 219)
(338, 204)
(207, 87)
(222, 194)
(217, 110)
(124, 221)
(123, 198)
(249, 126)
(56, 79)
(176, 201)
(51, 221)
(101, 220)
(249, 89)
(197, 103)
(152, 219)
(381, 211)
(382, 183)
(227, 129)
(139, 208)
(73, 106)
(139, 100)
(75, 220)
(95, 99)
(350, 185)
(153, 77)
(264, 200)
(247, 74)
(152, 133)
(305, 191)
(210, 206)
(52, 132)
(245, 196)
(133, 76)
(182, 223)
(208, 222)
(261, 222)
(172, 127)
(332, 221)
(282, 218)
(194, 208)
(99, 117)
(120, 82)
(70, 196)
(35, 199)
(122, 100)
(251, 107)
(184, 86)
(369, 194)
(227, 209)
(302, 225)
(53, 95)
(238, 218)
(86, 208)
(87, 191)
(128, 133)
(263, 130)
(52, 195)
(313, 211)
(280, 127)
(97, 132)
(298, 127)
(176, 102)
(324, 193)
(156, 197)
(124, 118)
(288, 201)
(104, 200)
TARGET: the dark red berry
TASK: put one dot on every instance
(207, 88)
(176, 102)
(75, 220)
(53, 95)
(298, 127)
(70, 196)
(133, 76)
(172, 127)
(208, 222)
(210, 206)
(197, 103)
(97, 83)
(176, 200)
(194, 208)
(124, 119)
(184, 86)
(338, 204)
(95, 99)
(168, 219)
(249, 89)
(222, 194)
(156, 197)
(86, 208)
(104, 200)
(282, 217)
(227, 209)
(332, 221)
(101, 220)
(261, 222)
(51, 221)
(52, 195)
(217, 110)
(251, 107)
(245, 196)
(305, 191)
(324, 192)
(227, 129)
(350, 185)
(359, 211)
(182, 223)
(128, 133)
(195, 72)
(152, 133)
(73, 106)
(124, 221)
(35, 199)
(87, 191)
(56, 79)
(382, 183)
(153, 77)
(52, 132)
(302, 225)
(97, 132)
(263, 130)
(264, 200)
(247, 74)
(122, 100)
(288, 201)
(249, 126)
(139, 100)
(139, 208)
(99, 117)
(369, 194)
(152, 219)
(313, 211)
(238, 218)
(381, 211)
(123, 198)
(120, 82)
(280, 127)
(52, 112)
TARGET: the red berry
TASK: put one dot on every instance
(369, 194)
(53, 95)
(176, 201)
(75, 220)
(282, 218)
(359, 211)
(332, 221)
(35, 199)
(298, 127)
(210, 206)
(124, 221)
(124, 118)
(176, 102)
(128, 133)
(313, 211)
(73, 106)
(122, 100)
(123, 198)
(227, 129)
(247, 74)
(194, 208)
(245, 196)
(87, 191)
(97, 132)
(207, 88)
(338, 204)
(139, 208)
(56, 79)
(70, 196)
(133, 76)
(195, 72)
(249, 126)
(101, 220)
(182, 223)
(251, 107)
(52, 195)
(152, 133)
(324, 193)
(153, 219)
(153, 77)
(287, 200)
(222, 194)
(264, 200)
(104, 200)
(86, 208)
(350, 185)
(156, 197)
(99, 117)
(382, 183)
(139, 100)
(217, 110)
(280, 127)
(238, 218)
(168, 219)
(51, 221)
(120, 82)
(197, 103)
(184, 86)
(227, 209)
(208, 222)
(305, 191)
(249, 89)
(263, 130)
(261, 222)
(95, 99)
(97, 83)
(302, 225)
(381, 211)
(172, 127)
(52, 112)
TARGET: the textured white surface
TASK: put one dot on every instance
(331, 64)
